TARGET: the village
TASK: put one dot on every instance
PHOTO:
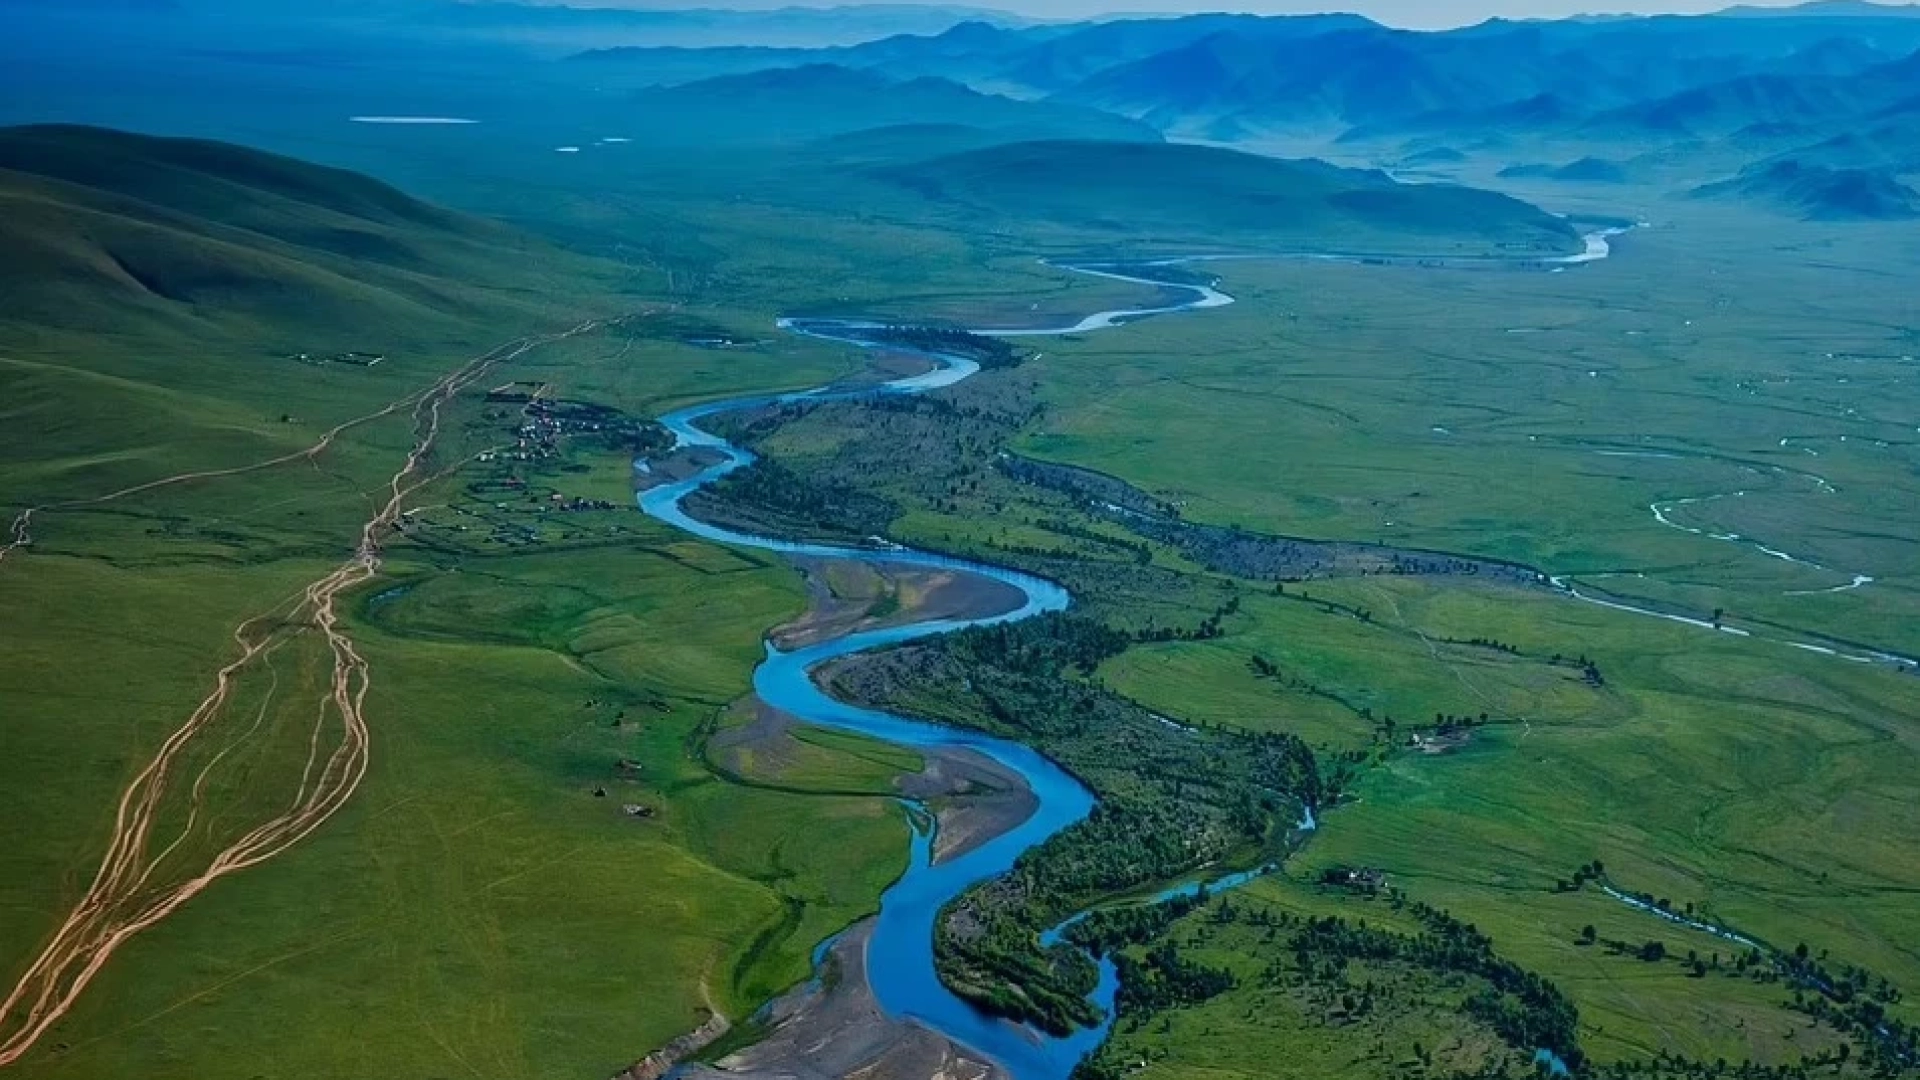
(556, 471)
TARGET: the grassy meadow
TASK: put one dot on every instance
(485, 904)
(1764, 791)
(1540, 417)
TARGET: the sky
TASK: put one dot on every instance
(1421, 14)
(1417, 14)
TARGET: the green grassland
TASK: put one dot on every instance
(1760, 783)
(1279, 1023)
(1765, 791)
(1509, 415)
(542, 930)
(476, 909)
(479, 909)
(1538, 417)
(1341, 678)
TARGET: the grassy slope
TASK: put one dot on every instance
(112, 230)
(475, 908)
(1185, 191)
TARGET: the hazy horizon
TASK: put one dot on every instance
(1415, 14)
(1422, 14)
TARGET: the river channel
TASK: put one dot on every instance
(900, 952)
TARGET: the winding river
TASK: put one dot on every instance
(900, 953)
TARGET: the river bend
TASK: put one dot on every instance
(900, 953)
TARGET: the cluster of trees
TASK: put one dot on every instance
(1173, 798)
(1527, 1012)
(1847, 997)
(1208, 629)
(987, 942)
(1589, 670)
(1109, 930)
(986, 351)
(997, 963)
(1098, 491)
(1667, 1065)
(1164, 979)
(1137, 550)
(1523, 1007)
(1049, 645)
(1853, 1000)
(768, 493)
(1485, 643)
(1232, 550)
(1592, 871)
(1445, 723)
(911, 448)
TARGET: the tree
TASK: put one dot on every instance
(1588, 935)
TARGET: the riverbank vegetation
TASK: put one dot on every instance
(1173, 800)
(1483, 728)
(1352, 475)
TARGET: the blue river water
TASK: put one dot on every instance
(900, 952)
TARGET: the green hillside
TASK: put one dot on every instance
(1223, 196)
(107, 229)
(203, 316)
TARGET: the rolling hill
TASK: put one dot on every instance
(1224, 196)
(1893, 147)
(1587, 169)
(1726, 107)
(1820, 193)
(105, 228)
(786, 105)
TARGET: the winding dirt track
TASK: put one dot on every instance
(126, 895)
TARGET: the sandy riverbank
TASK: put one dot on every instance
(674, 467)
(832, 1028)
(847, 597)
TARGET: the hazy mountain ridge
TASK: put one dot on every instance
(815, 100)
(1593, 92)
(1821, 193)
(1692, 99)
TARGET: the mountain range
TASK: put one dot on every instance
(1826, 86)
(1683, 102)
